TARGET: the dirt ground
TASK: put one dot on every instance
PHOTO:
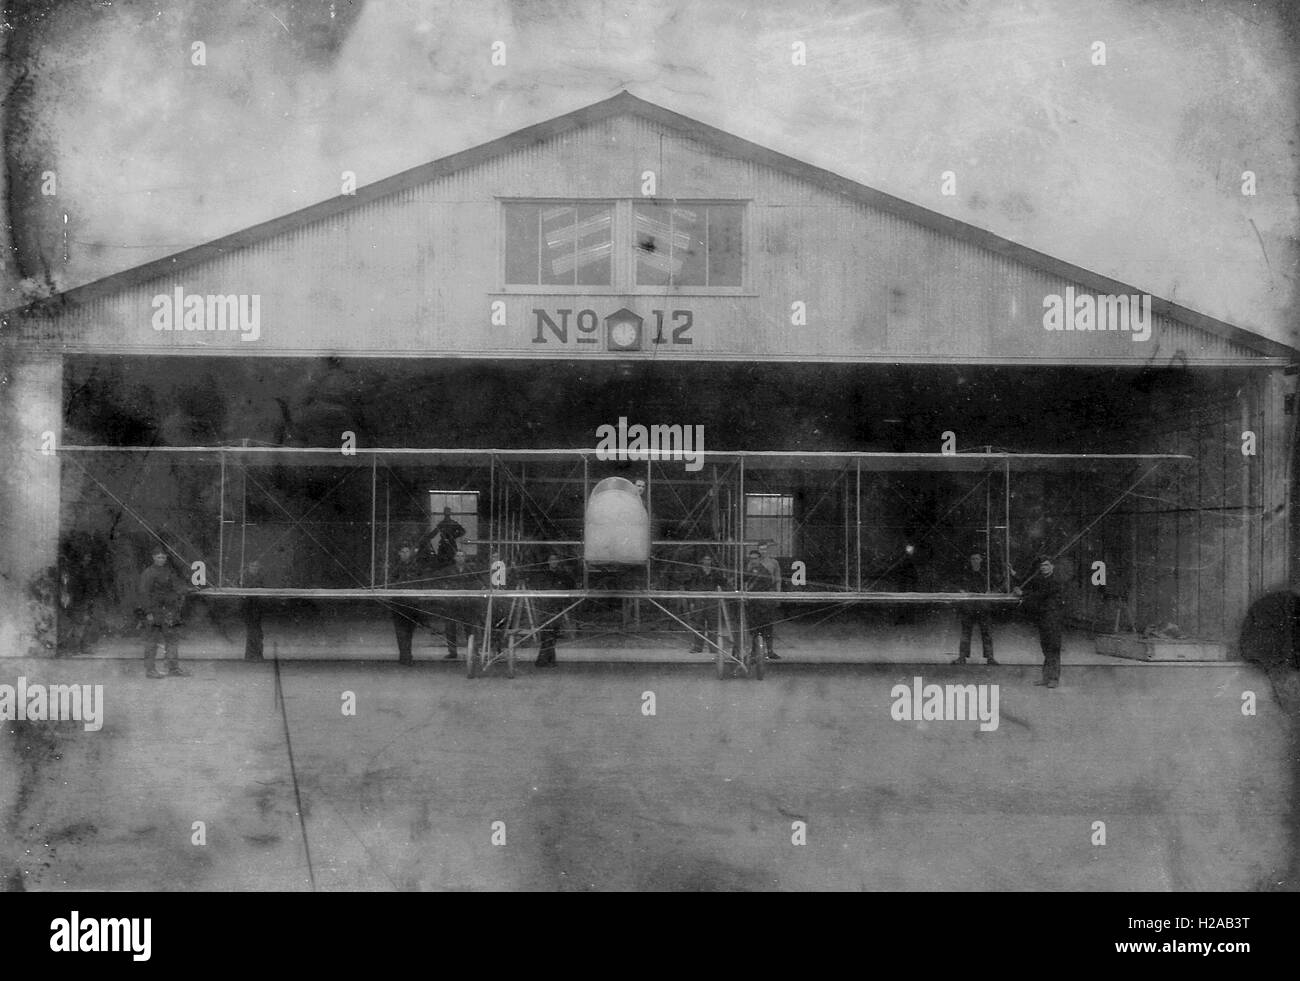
(594, 794)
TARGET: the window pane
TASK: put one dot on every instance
(570, 243)
(770, 517)
(521, 243)
(652, 234)
(558, 244)
(769, 504)
(464, 509)
(690, 250)
(595, 244)
(577, 244)
(725, 221)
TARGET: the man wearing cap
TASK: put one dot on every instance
(554, 576)
(405, 574)
(448, 531)
(974, 579)
(1044, 600)
(162, 594)
(703, 614)
(758, 579)
(771, 611)
(461, 615)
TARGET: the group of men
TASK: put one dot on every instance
(1041, 597)
(762, 574)
(466, 614)
(161, 597)
(436, 561)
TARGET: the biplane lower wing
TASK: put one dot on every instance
(585, 594)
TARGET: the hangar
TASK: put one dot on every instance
(626, 262)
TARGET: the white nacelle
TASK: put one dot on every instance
(617, 528)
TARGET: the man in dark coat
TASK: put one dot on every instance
(703, 614)
(405, 574)
(758, 579)
(973, 578)
(447, 533)
(1043, 599)
(81, 583)
(771, 611)
(554, 576)
(162, 594)
(461, 615)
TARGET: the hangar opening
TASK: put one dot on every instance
(1181, 540)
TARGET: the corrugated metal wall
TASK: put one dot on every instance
(416, 273)
(1213, 535)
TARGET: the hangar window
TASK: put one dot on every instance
(685, 244)
(770, 517)
(464, 510)
(559, 243)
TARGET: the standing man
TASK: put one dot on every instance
(80, 583)
(771, 610)
(460, 613)
(703, 615)
(974, 579)
(162, 594)
(758, 580)
(406, 616)
(254, 578)
(553, 576)
(448, 531)
(1043, 599)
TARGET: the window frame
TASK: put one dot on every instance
(696, 288)
(469, 520)
(623, 260)
(790, 528)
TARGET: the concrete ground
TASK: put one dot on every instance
(703, 795)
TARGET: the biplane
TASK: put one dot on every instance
(849, 528)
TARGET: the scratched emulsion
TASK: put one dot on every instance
(104, 97)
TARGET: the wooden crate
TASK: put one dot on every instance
(1155, 649)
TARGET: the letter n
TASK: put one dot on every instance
(560, 330)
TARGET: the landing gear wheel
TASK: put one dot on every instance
(760, 660)
(469, 657)
(720, 659)
(510, 659)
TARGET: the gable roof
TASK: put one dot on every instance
(624, 103)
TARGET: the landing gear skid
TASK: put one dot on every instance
(723, 658)
(752, 664)
(478, 660)
(522, 626)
